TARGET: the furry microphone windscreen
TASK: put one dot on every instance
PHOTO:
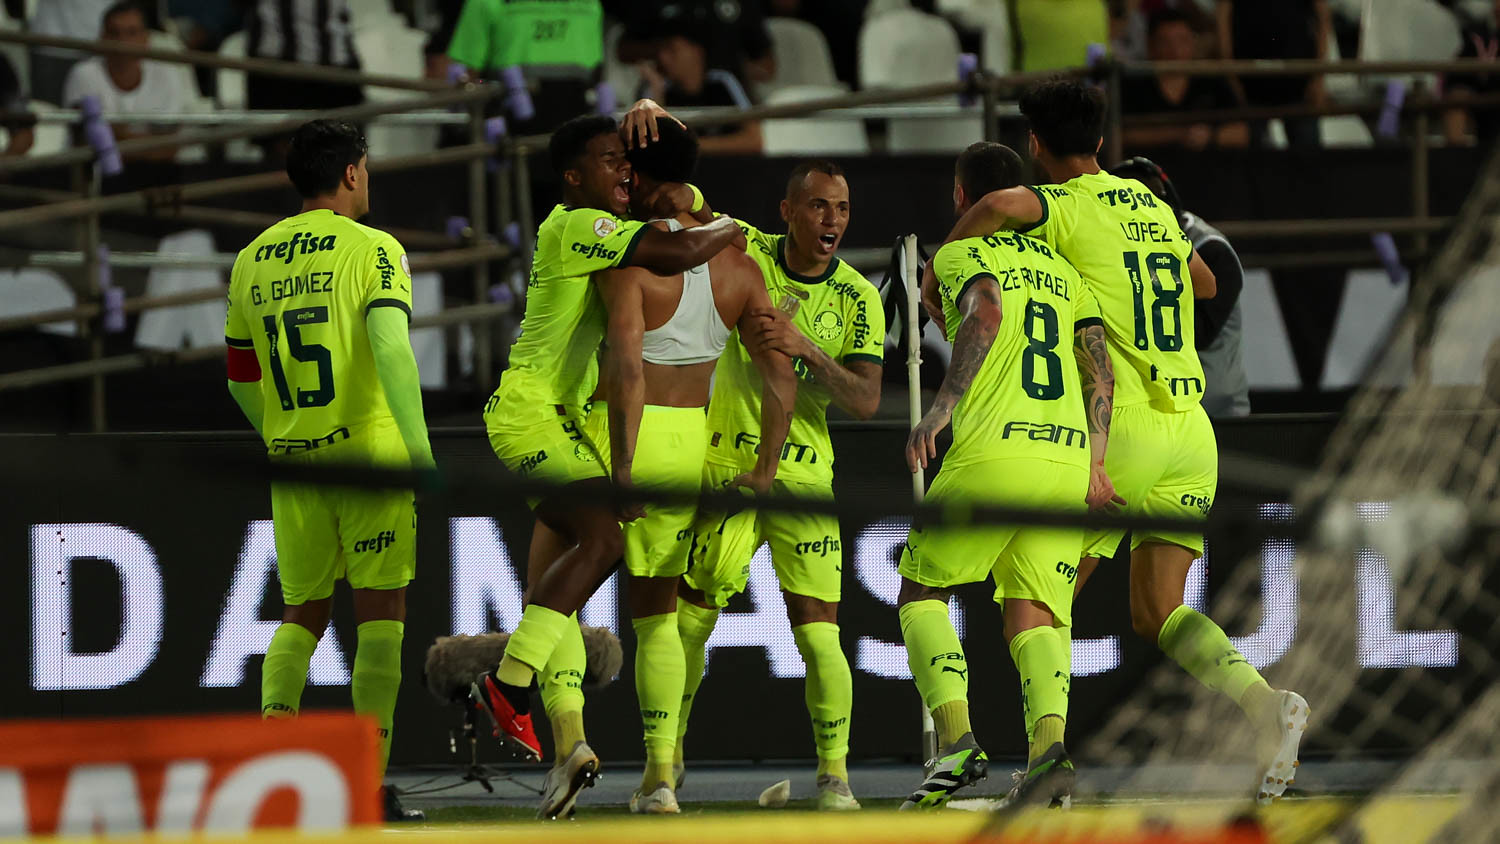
(453, 662)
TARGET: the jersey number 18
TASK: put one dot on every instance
(294, 320)
(1166, 308)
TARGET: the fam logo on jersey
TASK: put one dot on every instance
(605, 226)
(377, 543)
(827, 325)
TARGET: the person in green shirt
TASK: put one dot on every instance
(1162, 459)
(535, 422)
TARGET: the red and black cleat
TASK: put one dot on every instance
(512, 727)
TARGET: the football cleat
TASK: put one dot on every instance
(1281, 772)
(568, 777)
(834, 795)
(511, 727)
(394, 812)
(964, 764)
(662, 801)
(1048, 781)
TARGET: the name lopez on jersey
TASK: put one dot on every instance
(302, 243)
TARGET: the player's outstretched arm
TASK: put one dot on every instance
(1205, 286)
(1096, 377)
(670, 253)
(853, 386)
(1011, 208)
(625, 374)
(980, 306)
(778, 396)
(396, 367)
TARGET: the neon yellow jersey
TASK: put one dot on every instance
(298, 295)
(1128, 246)
(1025, 401)
(839, 311)
(555, 359)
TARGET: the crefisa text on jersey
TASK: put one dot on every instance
(302, 243)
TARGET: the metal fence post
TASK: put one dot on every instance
(1419, 174)
(479, 225)
(87, 179)
(991, 107)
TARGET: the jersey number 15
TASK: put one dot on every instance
(294, 320)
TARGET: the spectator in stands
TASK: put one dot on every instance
(1130, 20)
(1278, 29)
(15, 118)
(1171, 38)
(681, 77)
(68, 19)
(1054, 34)
(297, 31)
(1482, 125)
(1216, 321)
(558, 46)
(129, 85)
(733, 33)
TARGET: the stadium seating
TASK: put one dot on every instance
(802, 55)
(905, 49)
(812, 135)
(50, 137)
(1407, 30)
(430, 345)
(386, 45)
(197, 325)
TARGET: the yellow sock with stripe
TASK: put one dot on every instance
(283, 674)
(829, 692)
(1042, 660)
(938, 666)
(561, 686)
(532, 644)
(1199, 645)
(659, 675)
(377, 677)
(694, 624)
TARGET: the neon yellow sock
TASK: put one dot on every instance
(938, 665)
(561, 682)
(532, 644)
(1043, 664)
(828, 689)
(694, 625)
(659, 676)
(377, 677)
(1194, 642)
(1048, 731)
(284, 672)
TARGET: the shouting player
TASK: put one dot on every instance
(1024, 425)
(664, 337)
(1163, 458)
(830, 321)
(535, 423)
(322, 303)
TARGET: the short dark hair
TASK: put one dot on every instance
(121, 8)
(671, 158)
(1163, 17)
(987, 166)
(319, 152)
(1066, 114)
(572, 138)
(806, 168)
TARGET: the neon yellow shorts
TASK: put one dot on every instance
(557, 451)
(1165, 465)
(805, 547)
(669, 454)
(325, 533)
(1031, 563)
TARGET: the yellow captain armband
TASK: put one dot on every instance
(697, 199)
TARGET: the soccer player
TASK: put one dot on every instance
(322, 304)
(664, 337)
(1025, 427)
(535, 424)
(830, 321)
(1163, 459)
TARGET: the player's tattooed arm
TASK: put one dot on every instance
(1096, 377)
(980, 305)
(854, 387)
(624, 375)
(1002, 209)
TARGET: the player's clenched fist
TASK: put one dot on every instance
(1102, 495)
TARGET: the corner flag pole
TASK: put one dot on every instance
(913, 284)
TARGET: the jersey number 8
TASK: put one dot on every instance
(294, 320)
(1044, 349)
(1168, 300)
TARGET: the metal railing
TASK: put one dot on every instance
(509, 193)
